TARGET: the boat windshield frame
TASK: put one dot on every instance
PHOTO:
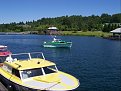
(13, 57)
(37, 72)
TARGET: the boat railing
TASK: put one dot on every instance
(29, 56)
(39, 53)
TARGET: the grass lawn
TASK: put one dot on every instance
(88, 33)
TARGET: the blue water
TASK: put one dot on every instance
(96, 62)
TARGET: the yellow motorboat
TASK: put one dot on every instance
(30, 72)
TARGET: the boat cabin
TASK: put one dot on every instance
(30, 72)
(30, 67)
(56, 40)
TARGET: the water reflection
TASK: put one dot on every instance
(57, 52)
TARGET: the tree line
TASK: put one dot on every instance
(104, 22)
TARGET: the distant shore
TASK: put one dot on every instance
(16, 33)
(74, 33)
(88, 33)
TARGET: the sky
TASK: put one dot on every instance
(29, 10)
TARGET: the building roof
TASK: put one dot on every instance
(118, 30)
(52, 28)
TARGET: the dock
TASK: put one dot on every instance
(2, 87)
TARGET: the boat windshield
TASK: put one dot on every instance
(56, 40)
(31, 73)
(38, 71)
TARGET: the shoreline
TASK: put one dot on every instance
(69, 33)
(64, 33)
(88, 33)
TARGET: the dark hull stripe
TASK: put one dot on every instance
(13, 86)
